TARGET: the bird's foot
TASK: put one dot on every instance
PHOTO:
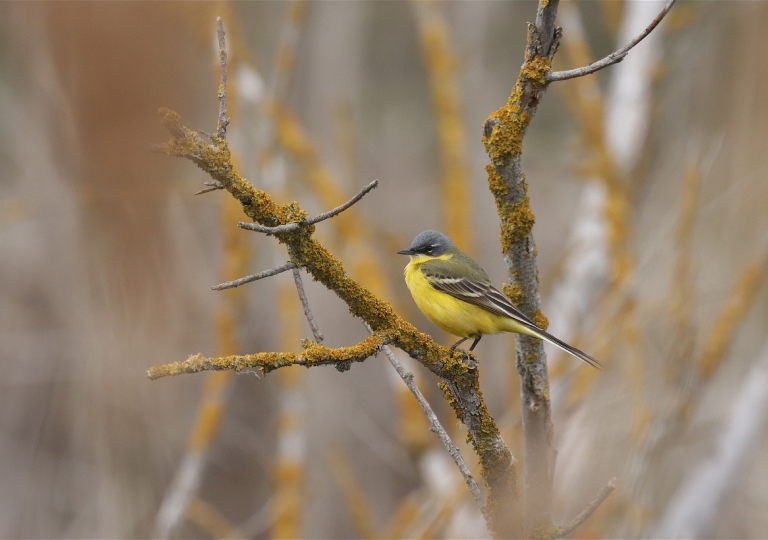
(469, 358)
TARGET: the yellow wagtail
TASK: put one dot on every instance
(457, 295)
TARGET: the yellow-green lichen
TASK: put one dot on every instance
(505, 139)
(540, 319)
(516, 222)
(452, 401)
(499, 188)
(318, 354)
(514, 292)
(536, 69)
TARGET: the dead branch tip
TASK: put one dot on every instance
(247, 279)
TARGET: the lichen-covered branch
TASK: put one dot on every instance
(221, 129)
(503, 134)
(307, 253)
(503, 138)
(313, 355)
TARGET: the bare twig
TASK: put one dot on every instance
(247, 279)
(212, 186)
(613, 58)
(305, 304)
(436, 427)
(289, 227)
(588, 511)
(221, 129)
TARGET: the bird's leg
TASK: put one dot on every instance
(462, 340)
(477, 340)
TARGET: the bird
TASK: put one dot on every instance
(456, 294)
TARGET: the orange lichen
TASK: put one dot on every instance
(540, 319)
(517, 222)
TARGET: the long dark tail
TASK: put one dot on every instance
(546, 336)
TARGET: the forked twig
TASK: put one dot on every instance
(221, 129)
(436, 427)
(613, 58)
(247, 279)
(305, 304)
(212, 186)
(289, 227)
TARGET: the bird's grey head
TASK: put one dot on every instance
(431, 243)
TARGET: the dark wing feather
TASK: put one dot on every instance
(491, 299)
(483, 295)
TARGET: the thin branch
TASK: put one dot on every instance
(436, 427)
(339, 209)
(613, 58)
(588, 511)
(221, 129)
(311, 221)
(305, 304)
(247, 279)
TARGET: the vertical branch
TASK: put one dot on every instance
(503, 138)
(221, 128)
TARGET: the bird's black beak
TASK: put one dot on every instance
(408, 251)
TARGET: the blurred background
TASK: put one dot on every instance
(648, 185)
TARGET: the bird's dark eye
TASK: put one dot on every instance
(429, 250)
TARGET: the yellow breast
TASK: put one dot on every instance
(450, 314)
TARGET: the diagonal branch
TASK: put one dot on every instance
(247, 279)
(290, 227)
(613, 58)
(437, 428)
(305, 304)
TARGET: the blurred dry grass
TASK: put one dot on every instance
(106, 263)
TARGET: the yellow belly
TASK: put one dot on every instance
(451, 314)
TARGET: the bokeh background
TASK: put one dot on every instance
(648, 182)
